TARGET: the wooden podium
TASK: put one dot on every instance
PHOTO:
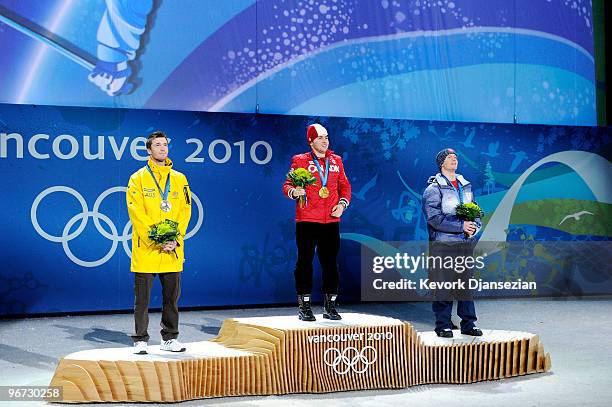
(280, 355)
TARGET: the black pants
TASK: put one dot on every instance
(465, 309)
(442, 305)
(325, 237)
(171, 290)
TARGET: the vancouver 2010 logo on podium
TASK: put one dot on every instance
(350, 359)
(95, 214)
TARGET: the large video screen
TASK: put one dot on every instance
(525, 61)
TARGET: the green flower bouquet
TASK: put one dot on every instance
(164, 232)
(469, 211)
(301, 177)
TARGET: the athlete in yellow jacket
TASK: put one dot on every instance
(144, 207)
(155, 193)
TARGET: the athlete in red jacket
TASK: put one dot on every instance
(318, 222)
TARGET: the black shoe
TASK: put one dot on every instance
(304, 311)
(329, 308)
(445, 333)
(473, 332)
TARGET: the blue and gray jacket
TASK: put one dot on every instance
(439, 202)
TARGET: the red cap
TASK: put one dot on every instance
(314, 131)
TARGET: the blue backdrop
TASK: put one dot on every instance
(466, 60)
(65, 227)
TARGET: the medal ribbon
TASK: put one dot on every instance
(164, 194)
(320, 170)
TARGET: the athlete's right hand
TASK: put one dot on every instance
(299, 191)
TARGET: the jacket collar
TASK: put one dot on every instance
(163, 170)
(328, 153)
(442, 181)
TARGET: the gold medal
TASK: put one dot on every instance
(323, 192)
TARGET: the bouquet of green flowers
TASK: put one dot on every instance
(301, 177)
(164, 232)
(469, 211)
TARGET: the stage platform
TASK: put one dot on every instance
(281, 355)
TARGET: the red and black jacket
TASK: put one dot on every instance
(319, 209)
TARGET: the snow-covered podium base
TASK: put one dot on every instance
(280, 355)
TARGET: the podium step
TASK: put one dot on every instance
(281, 355)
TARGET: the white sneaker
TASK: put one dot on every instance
(140, 348)
(172, 345)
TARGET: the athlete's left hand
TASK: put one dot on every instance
(169, 246)
(337, 211)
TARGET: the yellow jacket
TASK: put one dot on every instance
(143, 202)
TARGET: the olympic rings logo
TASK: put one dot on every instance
(350, 359)
(95, 214)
